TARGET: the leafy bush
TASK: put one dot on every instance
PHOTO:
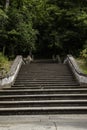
(4, 63)
(83, 54)
(82, 65)
(40, 26)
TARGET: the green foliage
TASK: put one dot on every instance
(4, 63)
(83, 54)
(58, 26)
(82, 64)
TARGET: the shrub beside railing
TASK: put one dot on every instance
(11, 75)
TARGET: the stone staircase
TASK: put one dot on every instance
(44, 87)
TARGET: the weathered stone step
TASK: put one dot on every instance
(43, 110)
(33, 64)
(42, 91)
(45, 80)
(53, 80)
(43, 61)
(43, 97)
(43, 103)
(39, 83)
(44, 74)
(44, 70)
(45, 66)
(45, 87)
(48, 84)
(50, 77)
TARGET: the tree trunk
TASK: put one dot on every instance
(4, 50)
(7, 3)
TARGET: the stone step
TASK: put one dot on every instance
(43, 110)
(47, 84)
(43, 103)
(45, 76)
(45, 80)
(43, 97)
(44, 70)
(42, 91)
(45, 87)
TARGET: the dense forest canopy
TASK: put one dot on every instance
(44, 27)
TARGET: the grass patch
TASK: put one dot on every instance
(4, 65)
(82, 65)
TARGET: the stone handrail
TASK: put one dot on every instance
(11, 75)
(82, 78)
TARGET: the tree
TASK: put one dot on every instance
(3, 33)
(58, 26)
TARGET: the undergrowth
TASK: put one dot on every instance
(4, 64)
(82, 65)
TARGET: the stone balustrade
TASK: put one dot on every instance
(82, 78)
(11, 75)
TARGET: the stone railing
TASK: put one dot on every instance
(11, 75)
(82, 78)
(56, 58)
